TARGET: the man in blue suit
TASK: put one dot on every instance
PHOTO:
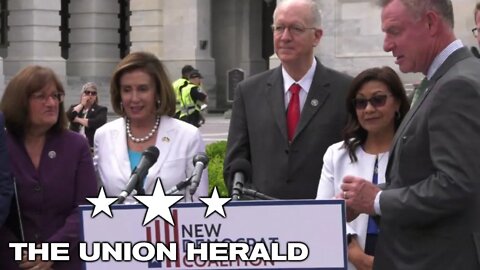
(284, 119)
(6, 181)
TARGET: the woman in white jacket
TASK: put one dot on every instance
(376, 104)
(142, 94)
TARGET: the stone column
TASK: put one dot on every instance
(146, 24)
(251, 40)
(93, 38)
(34, 36)
(178, 32)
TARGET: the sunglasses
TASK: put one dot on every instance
(90, 93)
(375, 101)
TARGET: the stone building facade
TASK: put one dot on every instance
(82, 40)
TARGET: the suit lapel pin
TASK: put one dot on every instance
(52, 154)
(165, 139)
(314, 102)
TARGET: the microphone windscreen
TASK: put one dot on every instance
(243, 166)
(151, 153)
(475, 52)
(200, 157)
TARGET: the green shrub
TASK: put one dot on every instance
(216, 154)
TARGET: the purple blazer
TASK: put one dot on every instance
(49, 196)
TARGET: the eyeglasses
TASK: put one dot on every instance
(375, 101)
(44, 98)
(475, 32)
(90, 93)
(293, 29)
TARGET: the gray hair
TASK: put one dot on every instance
(419, 7)
(89, 85)
(315, 13)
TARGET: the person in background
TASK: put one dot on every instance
(476, 17)
(52, 167)
(86, 116)
(284, 119)
(430, 203)
(142, 95)
(178, 85)
(376, 104)
(191, 96)
(6, 183)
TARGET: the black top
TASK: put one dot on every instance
(97, 116)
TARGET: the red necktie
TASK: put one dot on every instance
(293, 111)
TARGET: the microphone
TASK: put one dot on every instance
(149, 157)
(475, 52)
(178, 187)
(200, 161)
(241, 170)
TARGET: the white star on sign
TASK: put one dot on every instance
(158, 204)
(215, 203)
(102, 204)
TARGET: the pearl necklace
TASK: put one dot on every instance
(146, 138)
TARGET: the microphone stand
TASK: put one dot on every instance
(180, 186)
(139, 188)
(252, 193)
(256, 195)
(19, 211)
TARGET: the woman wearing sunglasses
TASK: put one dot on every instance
(376, 104)
(86, 116)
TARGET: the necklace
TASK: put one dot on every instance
(146, 138)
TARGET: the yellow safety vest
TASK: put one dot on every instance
(188, 105)
(177, 86)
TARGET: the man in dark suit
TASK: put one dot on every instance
(6, 180)
(430, 205)
(286, 155)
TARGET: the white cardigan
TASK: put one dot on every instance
(337, 165)
(177, 141)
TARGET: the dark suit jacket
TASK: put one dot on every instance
(258, 132)
(97, 116)
(431, 203)
(6, 182)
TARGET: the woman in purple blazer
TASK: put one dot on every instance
(52, 168)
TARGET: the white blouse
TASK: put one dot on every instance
(337, 165)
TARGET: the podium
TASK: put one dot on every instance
(298, 234)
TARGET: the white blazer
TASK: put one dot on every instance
(177, 141)
(337, 165)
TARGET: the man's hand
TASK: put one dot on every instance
(359, 195)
